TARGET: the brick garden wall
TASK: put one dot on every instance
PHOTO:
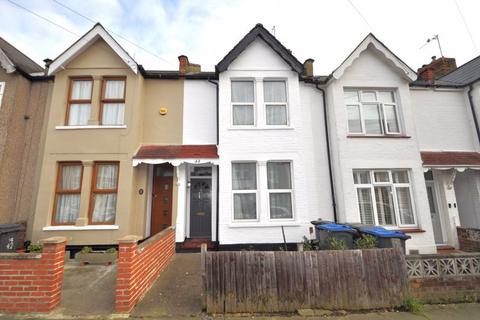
(442, 278)
(32, 282)
(469, 239)
(140, 265)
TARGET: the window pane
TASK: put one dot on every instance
(242, 91)
(107, 176)
(275, 91)
(369, 96)
(400, 176)
(244, 176)
(81, 90)
(372, 119)
(113, 113)
(381, 176)
(243, 115)
(428, 175)
(278, 175)
(391, 118)
(104, 207)
(350, 96)
(114, 89)
(361, 177)
(386, 96)
(276, 115)
(354, 122)
(281, 205)
(245, 206)
(79, 114)
(365, 205)
(405, 205)
(201, 171)
(71, 177)
(67, 208)
(384, 204)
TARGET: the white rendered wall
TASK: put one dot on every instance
(371, 70)
(443, 120)
(303, 143)
(199, 112)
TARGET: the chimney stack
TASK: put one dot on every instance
(308, 67)
(185, 66)
(437, 68)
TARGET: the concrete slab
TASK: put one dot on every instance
(88, 290)
(177, 292)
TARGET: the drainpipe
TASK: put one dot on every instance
(217, 218)
(330, 170)
(474, 114)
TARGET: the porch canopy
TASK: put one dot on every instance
(176, 154)
(445, 160)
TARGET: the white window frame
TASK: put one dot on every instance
(383, 118)
(246, 191)
(393, 186)
(286, 104)
(269, 191)
(2, 89)
(253, 104)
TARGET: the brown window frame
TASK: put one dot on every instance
(60, 166)
(102, 94)
(94, 191)
(71, 101)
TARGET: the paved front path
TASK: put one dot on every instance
(177, 292)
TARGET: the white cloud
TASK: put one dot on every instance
(206, 30)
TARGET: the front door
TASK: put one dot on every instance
(435, 214)
(200, 207)
(161, 198)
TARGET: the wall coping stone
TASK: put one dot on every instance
(130, 239)
(20, 256)
(155, 238)
(53, 240)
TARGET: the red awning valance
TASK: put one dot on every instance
(450, 159)
(154, 154)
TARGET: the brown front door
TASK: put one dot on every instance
(161, 198)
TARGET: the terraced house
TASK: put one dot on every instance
(250, 154)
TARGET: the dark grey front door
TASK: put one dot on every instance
(200, 208)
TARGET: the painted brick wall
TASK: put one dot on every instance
(32, 282)
(469, 239)
(446, 289)
(140, 265)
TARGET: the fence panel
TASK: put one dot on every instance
(252, 281)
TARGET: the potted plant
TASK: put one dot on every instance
(88, 256)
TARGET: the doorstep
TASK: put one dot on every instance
(193, 245)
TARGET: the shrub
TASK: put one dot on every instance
(410, 304)
(86, 249)
(111, 250)
(35, 247)
(366, 242)
(334, 244)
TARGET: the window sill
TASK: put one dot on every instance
(386, 136)
(263, 224)
(261, 128)
(409, 230)
(81, 228)
(89, 127)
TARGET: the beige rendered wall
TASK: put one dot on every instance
(21, 130)
(90, 145)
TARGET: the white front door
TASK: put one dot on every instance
(435, 213)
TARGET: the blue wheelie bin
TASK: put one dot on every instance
(385, 238)
(327, 230)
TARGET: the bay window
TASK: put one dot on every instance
(67, 193)
(371, 112)
(384, 197)
(244, 186)
(275, 98)
(113, 101)
(279, 181)
(103, 197)
(79, 101)
(243, 103)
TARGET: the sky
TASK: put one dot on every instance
(206, 30)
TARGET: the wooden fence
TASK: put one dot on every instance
(252, 281)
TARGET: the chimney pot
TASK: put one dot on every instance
(308, 67)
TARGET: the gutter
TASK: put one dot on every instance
(217, 218)
(330, 170)
(474, 114)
